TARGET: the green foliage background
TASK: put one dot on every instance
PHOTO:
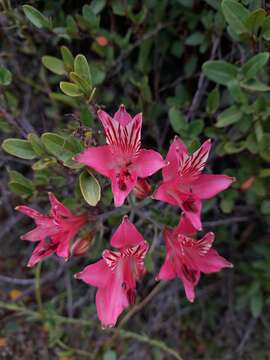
(199, 69)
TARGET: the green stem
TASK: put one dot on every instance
(38, 289)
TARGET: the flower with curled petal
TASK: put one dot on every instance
(115, 275)
(122, 159)
(186, 258)
(54, 232)
(183, 183)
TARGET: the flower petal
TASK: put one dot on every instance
(97, 274)
(213, 262)
(64, 240)
(41, 251)
(147, 162)
(57, 207)
(177, 148)
(191, 166)
(207, 186)
(167, 271)
(162, 193)
(122, 186)
(185, 227)
(40, 233)
(126, 235)
(189, 279)
(34, 214)
(110, 303)
(99, 158)
(122, 116)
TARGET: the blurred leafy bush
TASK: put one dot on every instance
(196, 68)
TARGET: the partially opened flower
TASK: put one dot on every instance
(54, 232)
(122, 159)
(184, 184)
(115, 275)
(186, 258)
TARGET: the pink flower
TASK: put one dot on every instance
(115, 275)
(122, 160)
(186, 258)
(184, 184)
(54, 231)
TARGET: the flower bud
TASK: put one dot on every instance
(142, 188)
(247, 183)
(102, 41)
(81, 246)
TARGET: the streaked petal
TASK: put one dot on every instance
(208, 185)
(191, 166)
(147, 162)
(99, 158)
(176, 150)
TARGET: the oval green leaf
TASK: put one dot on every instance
(19, 148)
(90, 188)
(53, 64)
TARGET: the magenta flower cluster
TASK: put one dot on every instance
(127, 165)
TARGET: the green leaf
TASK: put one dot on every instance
(19, 148)
(255, 20)
(265, 207)
(227, 205)
(97, 6)
(98, 75)
(228, 117)
(72, 27)
(235, 14)
(43, 164)
(195, 39)
(266, 28)
(61, 147)
(177, 120)
(17, 177)
(91, 19)
(90, 188)
(256, 304)
(234, 148)
(236, 92)
(63, 99)
(220, 71)
(5, 76)
(36, 143)
(82, 69)
(70, 89)
(54, 64)
(255, 64)
(213, 100)
(264, 173)
(36, 17)
(255, 86)
(19, 189)
(68, 58)
(81, 83)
